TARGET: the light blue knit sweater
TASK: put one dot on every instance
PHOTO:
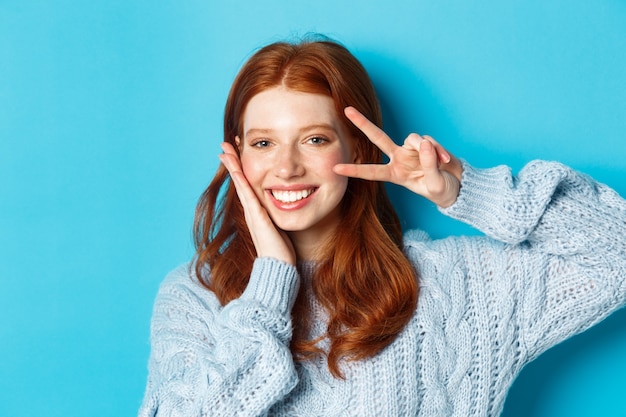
(553, 264)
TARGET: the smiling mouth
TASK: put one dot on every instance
(292, 196)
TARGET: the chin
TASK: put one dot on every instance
(289, 228)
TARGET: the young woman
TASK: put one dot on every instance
(305, 300)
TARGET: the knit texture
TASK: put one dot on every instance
(552, 264)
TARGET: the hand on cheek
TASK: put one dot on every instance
(267, 239)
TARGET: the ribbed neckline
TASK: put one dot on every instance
(306, 269)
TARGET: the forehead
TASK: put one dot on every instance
(280, 107)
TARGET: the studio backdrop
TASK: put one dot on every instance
(110, 125)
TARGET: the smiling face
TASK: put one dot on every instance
(291, 141)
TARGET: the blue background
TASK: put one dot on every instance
(110, 122)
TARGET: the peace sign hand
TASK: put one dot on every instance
(420, 164)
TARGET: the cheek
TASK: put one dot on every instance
(252, 169)
(326, 166)
(328, 162)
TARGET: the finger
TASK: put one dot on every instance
(429, 158)
(373, 132)
(370, 172)
(443, 155)
(228, 148)
(231, 161)
(433, 178)
(414, 140)
(234, 169)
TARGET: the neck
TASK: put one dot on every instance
(307, 248)
(309, 245)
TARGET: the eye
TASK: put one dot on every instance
(318, 140)
(261, 143)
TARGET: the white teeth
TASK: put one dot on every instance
(291, 196)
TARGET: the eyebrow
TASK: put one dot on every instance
(319, 126)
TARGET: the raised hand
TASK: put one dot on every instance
(420, 164)
(267, 239)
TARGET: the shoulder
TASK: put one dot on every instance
(183, 275)
(419, 247)
(181, 285)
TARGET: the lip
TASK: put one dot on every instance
(294, 205)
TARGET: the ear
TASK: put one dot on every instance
(238, 142)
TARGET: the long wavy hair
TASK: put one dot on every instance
(364, 281)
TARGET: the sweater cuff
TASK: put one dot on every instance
(479, 187)
(273, 284)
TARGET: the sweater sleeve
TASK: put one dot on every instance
(565, 246)
(209, 360)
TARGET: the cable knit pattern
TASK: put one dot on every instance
(552, 263)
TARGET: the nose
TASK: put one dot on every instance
(288, 163)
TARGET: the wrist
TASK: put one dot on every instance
(273, 283)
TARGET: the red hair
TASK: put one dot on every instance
(364, 281)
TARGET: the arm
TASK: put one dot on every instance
(208, 360)
(566, 237)
(233, 360)
(566, 234)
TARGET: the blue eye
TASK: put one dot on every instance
(261, 144)
(317, 140)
